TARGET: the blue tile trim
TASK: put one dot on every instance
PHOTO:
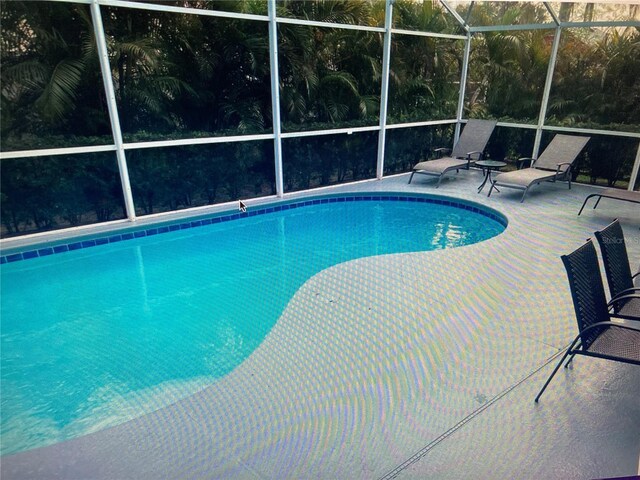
(44, 251)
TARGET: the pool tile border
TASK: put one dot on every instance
(219, 218)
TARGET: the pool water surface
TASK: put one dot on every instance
(94, 337)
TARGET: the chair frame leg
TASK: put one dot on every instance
(570, 351)
(566, 365)
(411, 177)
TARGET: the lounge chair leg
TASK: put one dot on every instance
(524, 194)
(587, 199)
(555, 370)
(411, 177)
(597, 201)
(439, 180)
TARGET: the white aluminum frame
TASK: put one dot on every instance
(384, 93)
(103, 53)
(275, 97)
(119, 146)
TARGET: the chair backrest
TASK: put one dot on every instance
(587, 291)
(474, 137)
(615, 258)
(562, 149)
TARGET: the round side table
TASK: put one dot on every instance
(488, 166)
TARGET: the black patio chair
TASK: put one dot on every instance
(598, 336)
(625, 297)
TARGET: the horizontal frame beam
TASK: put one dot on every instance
(43, 152)
(612, 23)
(592, 131)
(419, 33)
(428, 123)
(508, 28)
(183, 142)
(336, 131)
(270, 136)
(189, 11)
(314, 23)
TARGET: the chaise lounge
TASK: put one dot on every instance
(469, 148)
(612, 193)
(553, 164)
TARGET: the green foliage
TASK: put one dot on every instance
(187, 76)
(41, 193)
(407, 146)
(328, 159)
(597, 80)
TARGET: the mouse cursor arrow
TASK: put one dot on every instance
(242, 207)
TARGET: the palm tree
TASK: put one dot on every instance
(49, 71)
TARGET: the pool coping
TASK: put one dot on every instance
(47, 248)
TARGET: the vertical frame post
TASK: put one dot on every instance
(275, 97)
(384, 93)
(547, 90)
(634, 172)
(463, 85)
(105, 67)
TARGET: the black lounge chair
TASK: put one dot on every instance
(599, 337)
(553, 164)
(612, 193)
(468, 148)
(625, 297)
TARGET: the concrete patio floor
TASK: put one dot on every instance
(417, 365)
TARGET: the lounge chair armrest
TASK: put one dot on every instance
(565, 172)
(521, 161)
(478, 153)
(442, 150)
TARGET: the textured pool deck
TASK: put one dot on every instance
(419, 365)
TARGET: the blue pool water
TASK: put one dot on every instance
(94, 337)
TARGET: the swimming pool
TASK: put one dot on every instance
(99, 331)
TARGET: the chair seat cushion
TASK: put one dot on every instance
(524, 177)
(618, 194)
(618, 342)
(631, 308)
(441, 165)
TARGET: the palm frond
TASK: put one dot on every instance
(59, 93)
